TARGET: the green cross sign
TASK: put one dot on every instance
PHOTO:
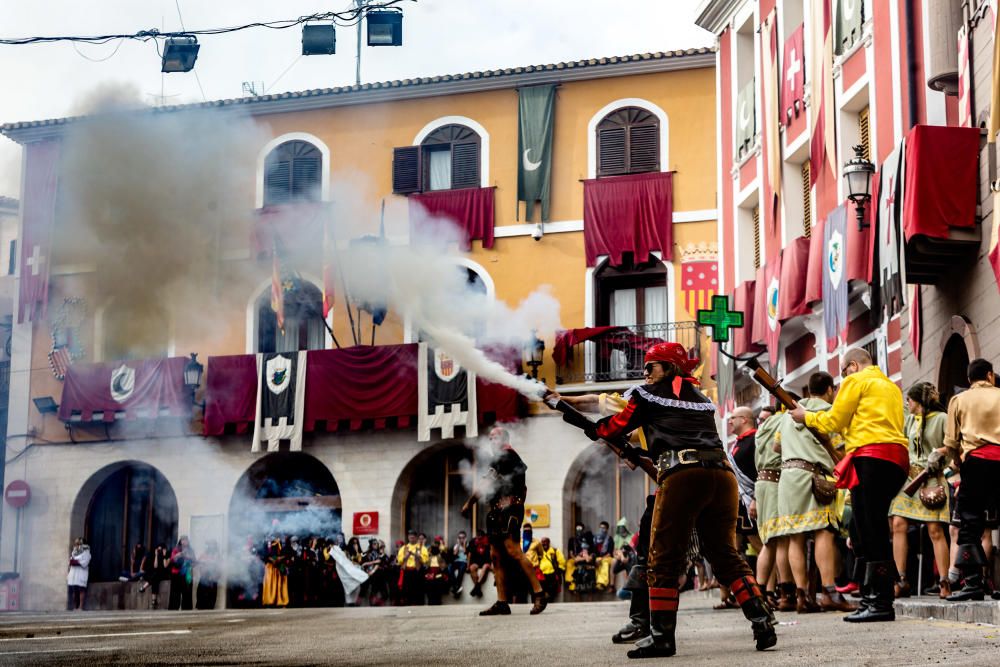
(720, 318)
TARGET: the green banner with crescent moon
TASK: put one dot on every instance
(746, 119)
(535, 119)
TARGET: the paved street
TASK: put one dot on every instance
(566, 634)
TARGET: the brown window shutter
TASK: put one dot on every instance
(612, 158)
(406, 170)
(864, 132)
(306, 178)
(278, 182)
(465, 165)
(644, 148)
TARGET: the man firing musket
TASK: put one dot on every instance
(697, 489)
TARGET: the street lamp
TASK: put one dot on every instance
(192, 374)
(385, 27)
(319, 39)
(533, 353)
(858, 171)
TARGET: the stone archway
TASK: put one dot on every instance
(959, 345)
(121, 505)
(431, 490)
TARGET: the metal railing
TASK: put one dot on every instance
(617, 355)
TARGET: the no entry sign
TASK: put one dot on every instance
(18, 493)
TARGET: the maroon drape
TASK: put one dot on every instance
(159, 385)
(859, 244)
(230, 393)
(766, 308)
(794, 269)
(41, 182)
(628, 214)
(505, 403)
(565, 340)
(362, 382)
(743, 301)
(814, 273)
(941, 177)
(470, 209)
(288, 226)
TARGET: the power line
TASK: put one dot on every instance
(349, 17)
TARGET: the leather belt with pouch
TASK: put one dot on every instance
(769, 475)
(677, 459)
(823, 490)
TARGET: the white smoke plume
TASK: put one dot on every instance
(423, 282)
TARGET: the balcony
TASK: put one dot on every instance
(615, 354)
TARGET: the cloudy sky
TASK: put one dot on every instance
(440, 37)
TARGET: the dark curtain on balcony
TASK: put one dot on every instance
(469, 209)
(628, 214)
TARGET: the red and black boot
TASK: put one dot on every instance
(662, 625)
(755, 608)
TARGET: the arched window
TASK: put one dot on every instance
(292, 173)
(953, 374)
(447, 159)
(304, 328)
(437, 493)
(134, 505)
(628, 142)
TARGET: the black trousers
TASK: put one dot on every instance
(180, 592)
(879, 482)
(979, 493)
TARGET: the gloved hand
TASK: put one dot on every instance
(935, 462)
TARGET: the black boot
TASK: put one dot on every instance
(660, 642)
(662, 624)
(970, 560)
(755, 608)
(877, 594)
(638, 618)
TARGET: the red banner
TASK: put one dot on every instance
(628, 214)
(942, 165)
(470, 209)
(793, 77)
(814, 272)
(794, 270)
(41, 183)
(743, 302)
(140, 389)
(699, 281)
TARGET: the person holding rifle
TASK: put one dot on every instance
(868, 412)
(972, 433)
(505, 486)
(697, 489)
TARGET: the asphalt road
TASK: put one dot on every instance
(566, 634)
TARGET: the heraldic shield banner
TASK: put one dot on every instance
(446, 395)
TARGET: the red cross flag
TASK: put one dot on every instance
(793, 77)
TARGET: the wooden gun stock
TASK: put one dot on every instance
(765, 380)
(630, 455)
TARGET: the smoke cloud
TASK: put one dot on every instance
(152, 195)
(424, 282)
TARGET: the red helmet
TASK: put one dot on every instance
(672, 353)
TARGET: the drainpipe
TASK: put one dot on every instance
(911, 63)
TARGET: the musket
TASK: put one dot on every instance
(774, 388)
(632, 456)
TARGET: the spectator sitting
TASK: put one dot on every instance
(435, 575)
(137, 566)
(480, 562)
(603, 556)
(459, 563)
(550, 563)
(584, 575)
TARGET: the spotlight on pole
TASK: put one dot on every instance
(319, 39)
(385, 27)
(179, 54)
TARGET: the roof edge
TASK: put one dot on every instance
(714, 15)
(391, 91)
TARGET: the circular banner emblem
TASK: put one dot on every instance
(122, 383)
(772, 304)
(445, 367)
(835, 258)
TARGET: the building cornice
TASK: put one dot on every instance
(714, 15)
(406, 89)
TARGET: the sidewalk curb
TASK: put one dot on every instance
(987, 611)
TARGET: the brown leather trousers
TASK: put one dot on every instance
(701, 498)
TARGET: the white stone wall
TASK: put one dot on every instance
(204, 472)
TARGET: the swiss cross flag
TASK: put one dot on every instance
(39, 212)
(793, 77)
